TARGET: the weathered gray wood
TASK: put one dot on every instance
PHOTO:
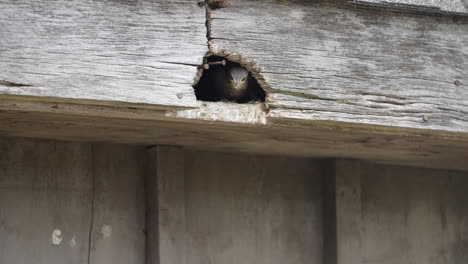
(252, 209)
(389, 214)
(329, 62)
(436, 149)
(118, 230)
(167, 237)
(348, 212)
(450, 6)
(118, 51)
(45, 201)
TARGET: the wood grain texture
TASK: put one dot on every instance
(45, 201)
(119, 51)
(323, 61)
(449, 6)
(118, 230)
(436, 149)
(252, 209)
(413, 215)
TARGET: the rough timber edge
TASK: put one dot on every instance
(415, 6)
(251, 114)
(272, 136)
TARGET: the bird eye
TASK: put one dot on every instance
(243, 80)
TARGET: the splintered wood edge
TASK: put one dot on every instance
(228, 127)
(252, 113)
(221, 113)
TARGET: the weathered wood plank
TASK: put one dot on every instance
(119, 51)
(45, 201)
(252, 209)
(118, 230)
(449, 6)
(167, 237)
(289, 137)
(324, 61)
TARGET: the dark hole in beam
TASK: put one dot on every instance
(215, 83)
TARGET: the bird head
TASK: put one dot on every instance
(238, 77)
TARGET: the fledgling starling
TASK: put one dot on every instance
(231, 82)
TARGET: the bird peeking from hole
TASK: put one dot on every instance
(228, 81)
(231, 82)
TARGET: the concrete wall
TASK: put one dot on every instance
(64, 202)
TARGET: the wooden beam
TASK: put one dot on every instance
(459, 7)
(327, 61)
(145, 126)
(370, 67)
(373, 84)
(114, 51)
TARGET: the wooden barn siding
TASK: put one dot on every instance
(459, 7)
(121, 51)
(323, 61)
(344, 80)
(209, 207)
(319, 60)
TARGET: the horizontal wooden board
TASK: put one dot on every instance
(324, 61)
(342, 81)
(121, 51)
(449, 6)
(288, 137)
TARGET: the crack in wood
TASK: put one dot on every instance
(12, 84)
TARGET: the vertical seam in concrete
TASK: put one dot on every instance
(91, 224)
(329, 234)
